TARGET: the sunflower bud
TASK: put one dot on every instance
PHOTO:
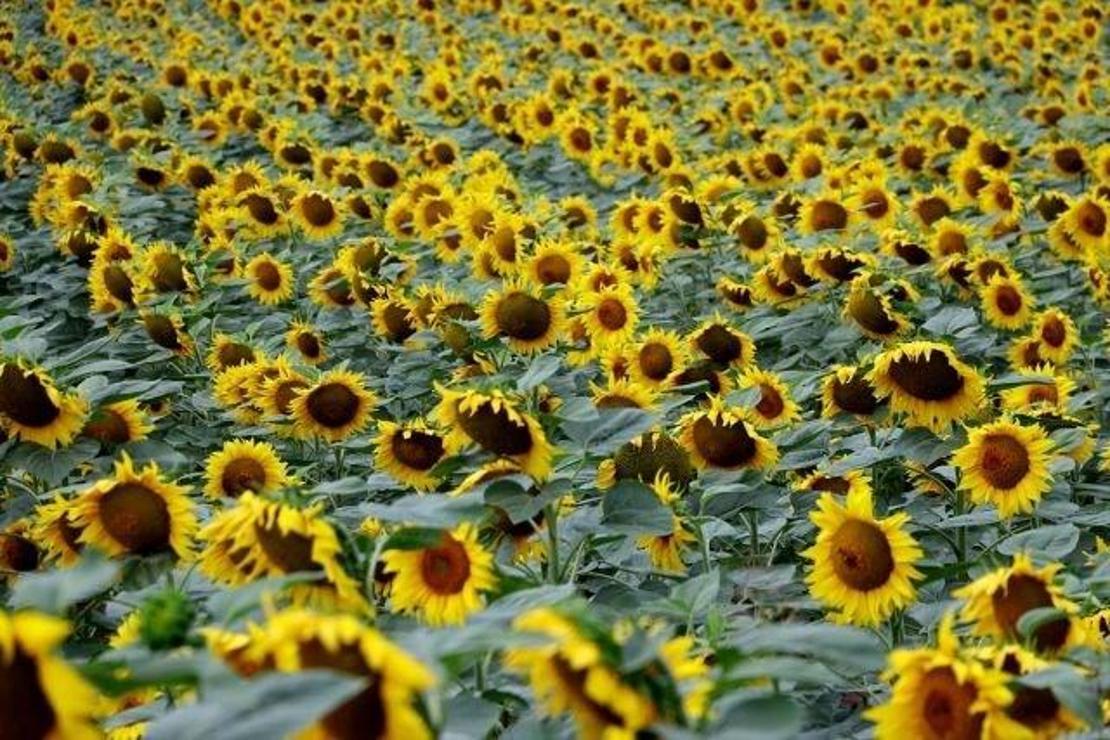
(166, 618)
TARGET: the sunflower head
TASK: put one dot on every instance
(928, 383)
(335, 407)
(33, 409)
(1005, 464)
(719, 342)
(722, 437)
(494, 422)
(523, 316)
(409, 452)
(244, 465)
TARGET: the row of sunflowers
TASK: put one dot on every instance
(542, 368)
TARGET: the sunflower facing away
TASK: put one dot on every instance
(41, 696)
(409, 451)
(442, 583)
(135, 512)
(928, 383)
(33, 409)
(493, 422)
(244, 465)
(943, 693)
(1005, 464)
(335, 407)
(863, 567)
(644, 459)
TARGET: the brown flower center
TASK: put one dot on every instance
(752, 233)
(1004, 461)
(1008, 300)
(828, 215)
(118, 284)
(720, 345)
(308, 345)
(261, 209)
(290, 552)
(24, 400)
(855, 395)
(932, 209)
(136, 517)
(927, 377)
(317, 210)
(169, 273)
(417, 450)
(723, 445)
(521, 316)
(1053, 332)
(243, 474)
(108, 426)
(832, 485)
(162, 331)
(553, 268)
(495, 431)
(612, 314)
(946, 706)
(18, 553)
(285, 392)
(333, 405)
(231, 354)
(862, 557)
(770, 403)
(656, 361)
(362, 716)
(445, 569)
(267, 275)
(1021, 594)
(1091, 219)
(869, 312)
(24, 705)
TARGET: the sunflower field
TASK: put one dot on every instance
(606, 369)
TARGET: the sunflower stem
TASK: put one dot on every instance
(753, 530)
(961, 532)
(552, 517)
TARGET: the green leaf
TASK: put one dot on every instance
(1047, 543)
(541, 368)
(414, 538)
(1034, 619)
(848, 648)
(762, 718)
(57, 590)
(632, 508)
(428, 511)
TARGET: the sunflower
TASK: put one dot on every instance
(1087, 222)
(1035, 708)
(644, 459)
(774, 407)
(850, 482)
(754, 236)
(135, 512)
(824, 212)
(737, 295)
(296, 640)
(846, 389)
(163, 268)
(316, 214)
(521, 314)
(569, 674)
(111, 285)
(838, 264)
(335, 407)
(1051, 396)
(41, 695)
(928, 383)
(1057, 334)
(442, 583)
(7, 253)
(871, 311)
(863, 567)
(303, 338)
(941, 693)
(718, 341)
(721, 437)
(555, 263)
(228, 352)
(610, 315)
(1005, 464)
(665, 550)
(259, 538)
(392, 316)
(1006, 303)
(244, 465)
(996, 601)
(623, 394)
(408, 452)
(34, 410)
(270, 280)
(54, 530)
(118, 423)
(493, 422)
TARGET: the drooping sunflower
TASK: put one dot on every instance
(244, 465)
(392, 317)
(228, 352)
(135, 511)
(852, 481)
(659, 355)
(409, 451)
(270, 279)
(442, 583)
(644, 459)
(1035, 708)
(737, 295)
(996, 601)
(335, 407)
(1006, 303)
(1057, 334)
(863, 567)
(33, 409)
(521, 314)
(493, 421)
(1037, 395)
(258, 538)
(54, 530)
(316, 214)
(623, 394)
(167, 331)
(569, 674)
(717, 340)
(296, 640)
(870, 309)
(774, 407)
(41, 695)
(118, 423)
(304, 338)
(721, 437)
(7, 253)
(942, 693)
(665, 550)
(610, 315)
(1005, 464)
(928, 383)
(846, 389)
